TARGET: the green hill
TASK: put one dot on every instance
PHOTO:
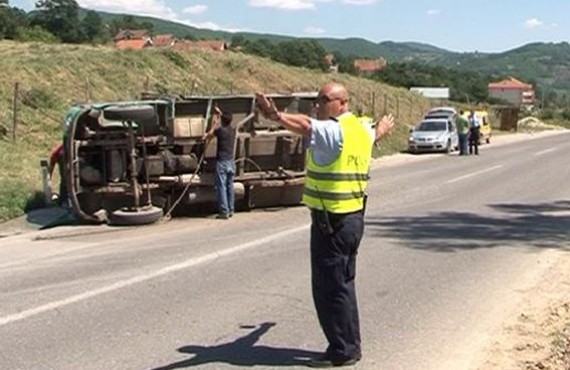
(547, 64)
(53, 77)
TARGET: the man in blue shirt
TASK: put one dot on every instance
(474, 126)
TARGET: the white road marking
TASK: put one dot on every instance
(545, 152)
(474, 174)
(151, 275)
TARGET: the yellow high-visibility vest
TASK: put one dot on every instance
(340, 187)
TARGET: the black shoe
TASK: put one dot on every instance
(222, 216)
(325, 362)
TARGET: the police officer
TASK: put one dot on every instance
(474, 133)
(339, 155)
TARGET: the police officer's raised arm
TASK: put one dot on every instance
(295, 122)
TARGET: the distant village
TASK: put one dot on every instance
(510, 90)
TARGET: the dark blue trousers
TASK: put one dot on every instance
(334, 246)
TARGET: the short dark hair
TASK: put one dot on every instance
(227, 118)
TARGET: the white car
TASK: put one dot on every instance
(434, 135)
(443, 110)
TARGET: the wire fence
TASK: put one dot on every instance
(31, 101)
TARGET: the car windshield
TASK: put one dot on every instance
(432, 126)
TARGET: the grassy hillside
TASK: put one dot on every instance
(546, 63)
(53, 77)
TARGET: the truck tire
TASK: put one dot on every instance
(133, 216)
(129, 113)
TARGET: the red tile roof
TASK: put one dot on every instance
(330, 59)
(132, 44)
(131, 35)
(163, 40)
(368, 66)
(510, 83)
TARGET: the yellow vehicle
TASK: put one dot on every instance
(485, 128)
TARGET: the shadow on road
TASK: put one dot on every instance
(543, 225)
(243, 352)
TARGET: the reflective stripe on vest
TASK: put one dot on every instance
(340, 187)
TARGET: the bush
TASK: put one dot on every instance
(15, 198)
(175, 58)
(37, 34)
(547, 113)
(39, 98)
(566, 114)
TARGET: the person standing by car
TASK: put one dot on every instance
(339, 155)
(474, 126)
(462, 133)
(225, 165)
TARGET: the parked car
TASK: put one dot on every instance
(443, 110)
(131, 162)
(434, 134)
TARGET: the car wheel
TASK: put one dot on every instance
(129, 113)
(488, 140)
(448, 147)
(135, 216)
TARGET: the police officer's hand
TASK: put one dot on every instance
(267, 107)
(384, 126)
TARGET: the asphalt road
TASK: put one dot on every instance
(450, 244)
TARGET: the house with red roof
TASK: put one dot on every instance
(369, 66)
(514, 91)
(132, 39)
(331, 63)
(164, 41)
(132, 44)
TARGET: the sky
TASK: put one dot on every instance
(456, 25)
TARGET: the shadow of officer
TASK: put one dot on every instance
(243, 352)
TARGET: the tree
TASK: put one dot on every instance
(92, 28)
(11, 20)
(237, 41)
(301, 53)
(59, 17)
(128, 22)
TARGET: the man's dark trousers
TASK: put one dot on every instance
(474, 140)
(334, 246)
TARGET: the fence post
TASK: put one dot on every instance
(15, 111)
(398, 107)
(146, 83)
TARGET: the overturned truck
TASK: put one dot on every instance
(130, 163)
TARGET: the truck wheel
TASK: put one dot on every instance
(129, 113)
(135, 216)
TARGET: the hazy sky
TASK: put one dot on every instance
(457, 25)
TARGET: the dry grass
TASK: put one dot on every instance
(54, 77)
